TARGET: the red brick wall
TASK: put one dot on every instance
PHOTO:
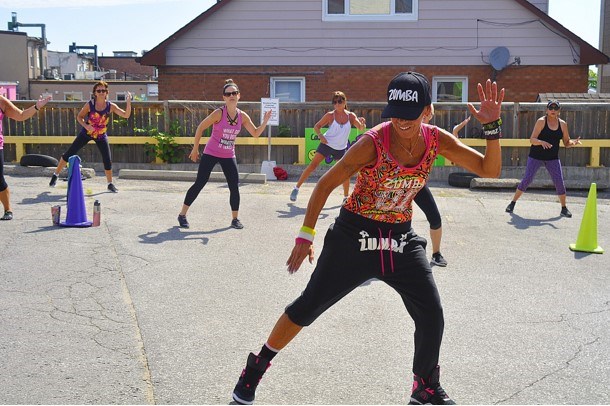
(362, 83)
(126, 68)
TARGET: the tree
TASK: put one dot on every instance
(592, 79)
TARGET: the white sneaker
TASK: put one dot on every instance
(294, 194)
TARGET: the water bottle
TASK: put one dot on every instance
(56, 214)
(97, 213)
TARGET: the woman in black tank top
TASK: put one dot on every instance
(548, 132)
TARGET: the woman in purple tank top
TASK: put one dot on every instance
(94, 118)
(548, 132)
(7, 108)
(226, 124)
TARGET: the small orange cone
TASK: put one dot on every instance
(587, 236)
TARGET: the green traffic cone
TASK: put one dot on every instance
(587, 236)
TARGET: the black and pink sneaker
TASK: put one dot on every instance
(429, 391)
(250, 377)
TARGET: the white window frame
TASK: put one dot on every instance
(299, 79)
(372, 17)
(79, 96)
(437, 79)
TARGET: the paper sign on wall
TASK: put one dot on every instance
(274, 106)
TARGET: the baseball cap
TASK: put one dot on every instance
(553, 102)
(408, 94)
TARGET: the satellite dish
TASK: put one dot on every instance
(498, 57)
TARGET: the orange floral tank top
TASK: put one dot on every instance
(384, 192)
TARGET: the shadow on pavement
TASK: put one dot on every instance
(521, 223)
(294, 211)
(44, 197)
(178, 234)
(43, 229)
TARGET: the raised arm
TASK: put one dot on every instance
(17, 114)
(490, 164)
(119, 111)
(251, 128)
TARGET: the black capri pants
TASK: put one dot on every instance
(427, 204)
(229, 168)
(357, 249)
(3, 184)
(83, 139)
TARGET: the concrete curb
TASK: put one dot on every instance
(18, 170)
(491, 183)
(187, 176)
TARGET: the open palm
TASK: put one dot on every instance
(491, 103)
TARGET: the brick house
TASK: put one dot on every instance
(123, 65)
(301, 50)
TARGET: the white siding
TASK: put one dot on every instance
(291, 32)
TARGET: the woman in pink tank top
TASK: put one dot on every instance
(7, 108)
(226, 123)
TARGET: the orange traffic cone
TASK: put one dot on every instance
(587, 236)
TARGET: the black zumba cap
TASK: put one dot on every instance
(408, 94)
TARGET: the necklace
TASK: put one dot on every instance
(410, 152)
(232, 121)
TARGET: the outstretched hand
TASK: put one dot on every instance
(491, 103)
(298, 254)
(40, 103)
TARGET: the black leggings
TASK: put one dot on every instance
(83, 139)
(229, 168)
(3, 184)
(357, 249)
(426, 203)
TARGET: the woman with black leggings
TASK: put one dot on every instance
(226, 124)
(94, 118)
(7, 108)
(425, 201)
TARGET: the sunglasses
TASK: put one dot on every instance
(227, 94)
(101, 91)
(553, 107)
(338, 101)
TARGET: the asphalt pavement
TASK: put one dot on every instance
(139, 311)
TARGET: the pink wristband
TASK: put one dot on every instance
(300, 240)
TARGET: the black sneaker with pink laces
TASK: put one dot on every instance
(429, 391)
(245, 389)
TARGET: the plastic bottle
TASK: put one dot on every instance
(97, 213)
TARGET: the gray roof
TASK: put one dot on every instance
(575, 97)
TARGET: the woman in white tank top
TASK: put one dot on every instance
(334, 141)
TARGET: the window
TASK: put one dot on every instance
(369, 10)
(288, 89)
(121, 96)
(450, 89)
(73, 96)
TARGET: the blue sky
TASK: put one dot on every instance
(136, 25)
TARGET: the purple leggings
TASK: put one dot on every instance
(554, 168)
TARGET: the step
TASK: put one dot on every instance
(187, 176)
